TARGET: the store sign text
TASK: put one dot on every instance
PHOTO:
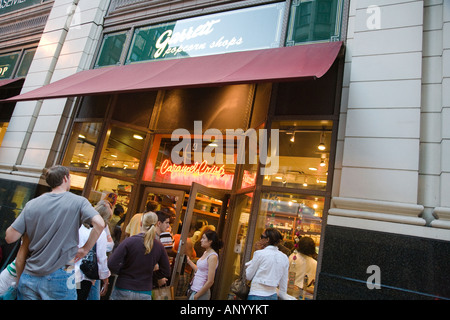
(3, 70)
(199, 169)
(238, 30)
(167, 42)
(11, 5)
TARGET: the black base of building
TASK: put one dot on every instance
(370, 265)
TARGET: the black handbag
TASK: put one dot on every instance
(241, 287)
(89, 264)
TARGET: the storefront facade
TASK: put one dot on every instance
(189, 109)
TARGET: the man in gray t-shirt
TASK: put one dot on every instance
(51, 222)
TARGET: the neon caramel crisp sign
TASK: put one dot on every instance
(198, 169)
(237, 30)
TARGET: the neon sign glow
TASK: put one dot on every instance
(199, 169)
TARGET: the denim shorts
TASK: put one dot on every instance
(58, 285)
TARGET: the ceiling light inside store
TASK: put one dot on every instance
(138, 137)
(321, 145)
(81, 136)
(312, 169)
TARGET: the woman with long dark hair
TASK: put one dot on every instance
(206, 266)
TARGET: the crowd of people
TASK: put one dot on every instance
(63, 237)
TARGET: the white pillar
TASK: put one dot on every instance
(67, 46)
(379, 142)
(442, 210)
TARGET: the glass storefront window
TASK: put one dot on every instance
(295, 216)
(314, 20)
(111, 49)
(215, 172)
(122, 151)
(104, 185)
(303, 154)
(25, 64)
(13, 197)
(77, 182)
(83, 141)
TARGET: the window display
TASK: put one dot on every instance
(80, 151)
(304, 154)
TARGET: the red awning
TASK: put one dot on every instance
(269, 65)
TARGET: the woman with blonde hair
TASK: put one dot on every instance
(87, 288)
(134, 260)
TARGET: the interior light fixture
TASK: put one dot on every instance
(322, 163)
(321, 145)
(312, 169)
(293, 138)
(138, 137)
(305, 183)
(81, 136)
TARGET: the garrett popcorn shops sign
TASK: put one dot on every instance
(12, 5)
(238, 30)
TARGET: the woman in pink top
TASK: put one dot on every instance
(206, 266)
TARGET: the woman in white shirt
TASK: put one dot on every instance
(269, 269)
(302, 263)
(104, 209)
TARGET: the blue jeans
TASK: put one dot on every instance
(205, 296)
(272, 297)
(94, 294)
(58, 285)
(123, 294)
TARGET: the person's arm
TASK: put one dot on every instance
(22, 255)
(115, 260)
(102, 258)
(212, 264)
(12, 235)
(98, 224)
(252, 266)
(162, 273)
(284, 279)
(191, 264)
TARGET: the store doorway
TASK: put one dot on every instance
(204, 208)
(168, 200)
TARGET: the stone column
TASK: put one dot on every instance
(380, 133)
(67, 46)
(441, 18)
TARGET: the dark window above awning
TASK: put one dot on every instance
(268, 65)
